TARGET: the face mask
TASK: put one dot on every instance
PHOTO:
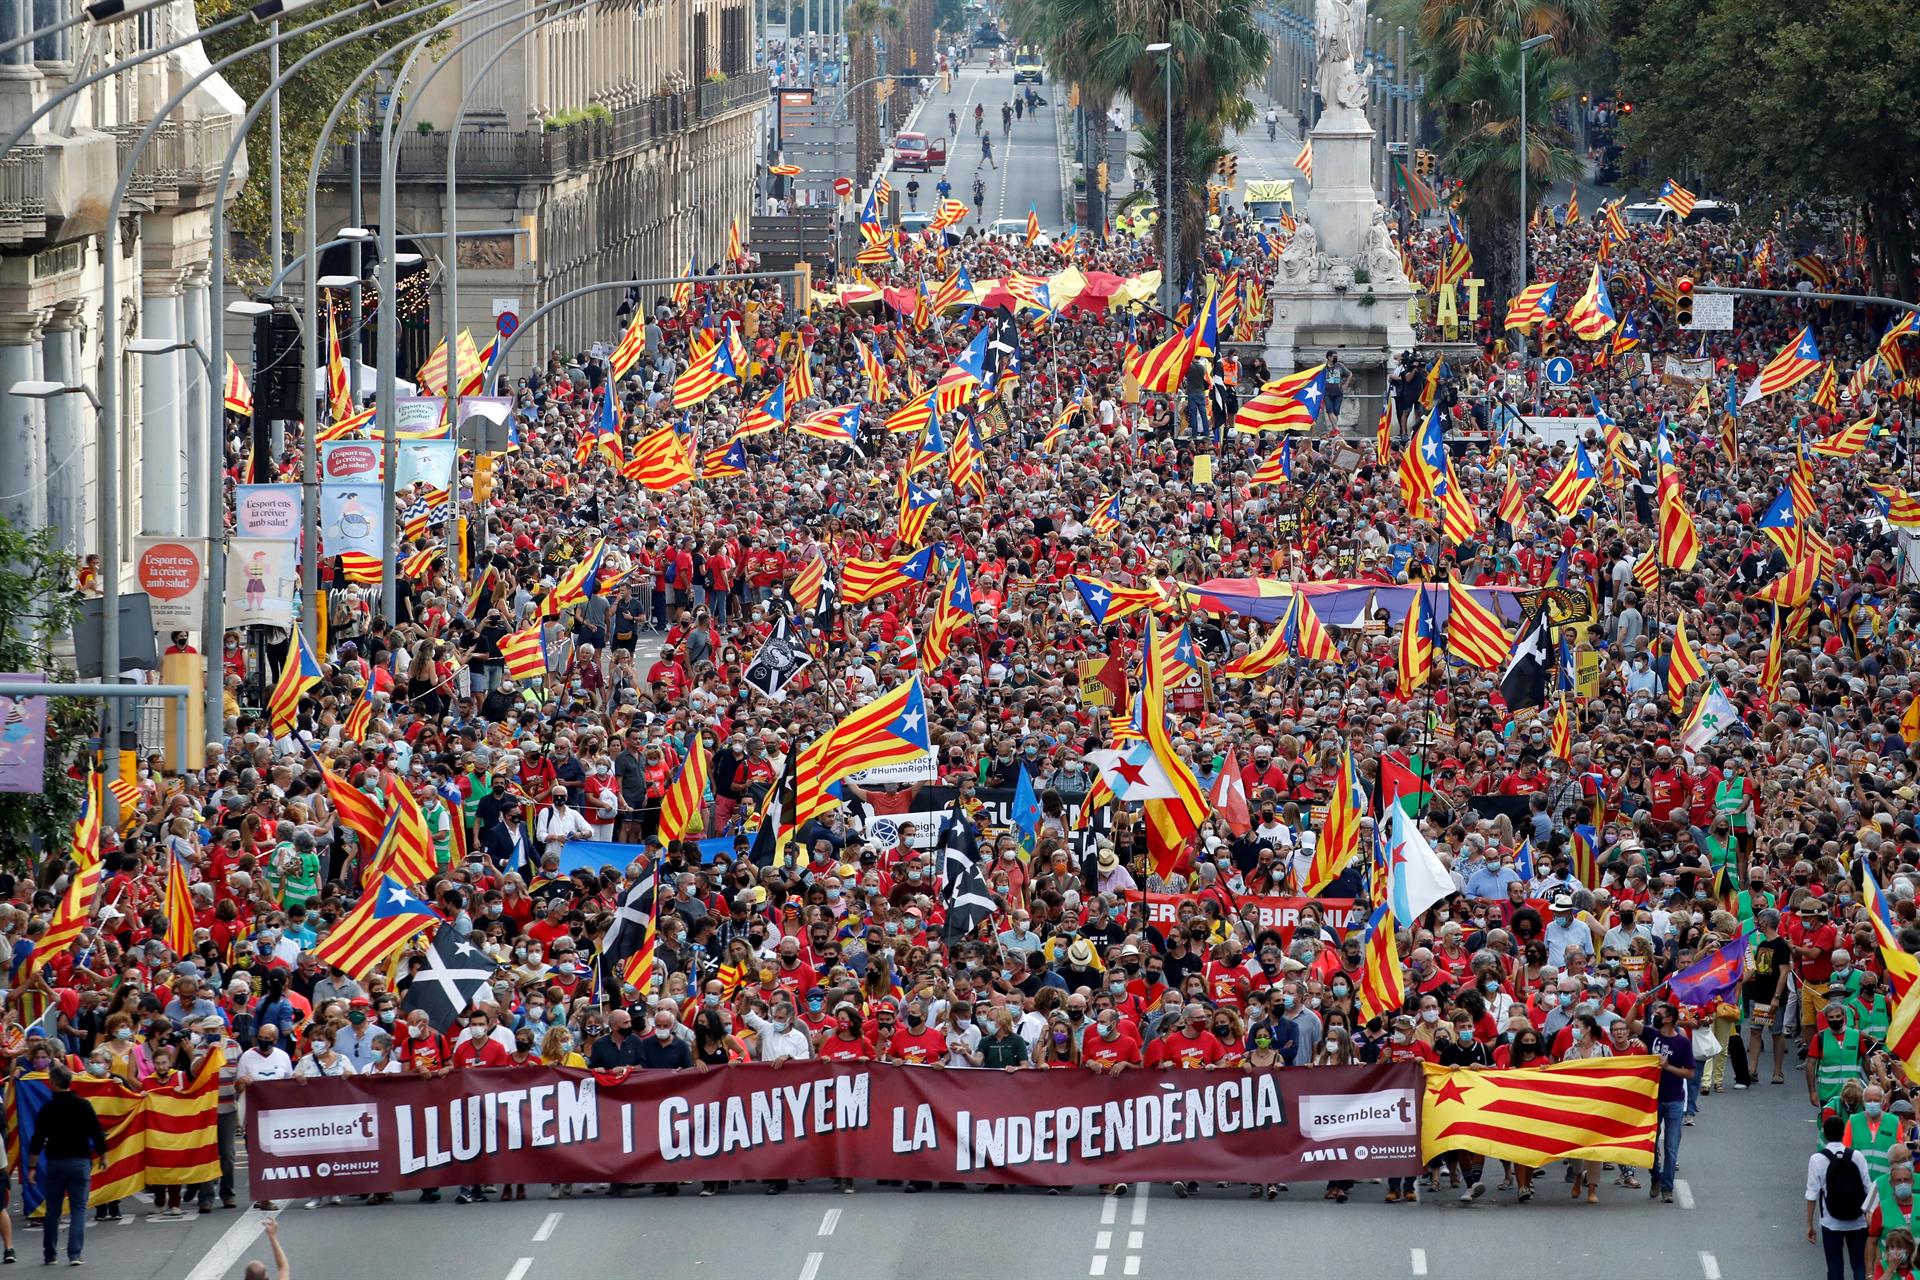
(418, 1033)
(1873, 1108)
(320, 1048)
(96, 1068)
(476, 1034)
(386, 1017)
(1339, 990)
(1286, 1002)
(783, 1022)
(1429, 1016)
(1579, 1033)
(1463, 1034)
(1399, 1037)
(124, 1033)
(1110, 1032)
(1490, 986)
(264, 1044)
(663, 1034)
(1548, 1000)
(1903, 1191)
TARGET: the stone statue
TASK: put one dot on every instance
(1299, 261)
(1378, 255)
(1340, 27)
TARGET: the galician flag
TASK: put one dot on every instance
(1714, 712)
(1416, 878)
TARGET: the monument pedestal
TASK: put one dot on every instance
(1341, 286)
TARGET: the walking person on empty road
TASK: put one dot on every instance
(69, 1133)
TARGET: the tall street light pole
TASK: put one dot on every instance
(1531, 43)
(1169, 290)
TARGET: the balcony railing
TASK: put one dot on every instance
(721, 96)
(23, 202)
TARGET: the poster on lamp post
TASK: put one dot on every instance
(172, 571)
(262, 577)
(23, 741)
(350, 519)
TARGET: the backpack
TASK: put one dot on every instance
(1846, 1197)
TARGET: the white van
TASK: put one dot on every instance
(1653, 213)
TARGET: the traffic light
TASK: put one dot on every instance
(1423, 162)
(1549, 339)
(1683, 302)
(1100, 176)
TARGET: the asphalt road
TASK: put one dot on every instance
(1026, 169)
(1738, 1216)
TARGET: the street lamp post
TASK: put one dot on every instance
(1533, 42)
(388, 336)
(452, 276)
(1168, 289)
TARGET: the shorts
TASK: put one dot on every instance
(1812, 1001)
(1776, 1021)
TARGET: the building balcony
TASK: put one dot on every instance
(506, 155)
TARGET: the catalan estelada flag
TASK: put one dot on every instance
(1792, 365)
(1575, 481)
(892, 729)
(179, 909)
(862, 580)
(1532, 305)
(1683, 666)
(660, 461)
(1339, 841)
(385, 917)
(1383, 983)
(1591, 1109)
(1676, 198)
(301, 673)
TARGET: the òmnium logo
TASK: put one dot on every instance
(1385, 1113)
(302, 1131)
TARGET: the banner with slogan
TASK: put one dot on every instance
(1281, 914)
(358, 1135)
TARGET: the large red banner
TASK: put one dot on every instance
(365, 1134)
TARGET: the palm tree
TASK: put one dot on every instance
(1468, 52)
(866, 19)
(1070, 32)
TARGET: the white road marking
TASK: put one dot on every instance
(1108, 1208)
(1683, 1193)
(520, 1269)
(234, 1242)
(1133, 1264)
(1419, 1261)
(1136, 1239)
(812, 1267)
(1103, 1240)
(1098, 1267)
(828, 1223)
(1140, 1204)
(1709, 1266)
(547, 1228)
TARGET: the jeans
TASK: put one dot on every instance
(1666, 1146)
(68, 1182)
(1693, 1094)
(1854, 1243)
(229, 1123)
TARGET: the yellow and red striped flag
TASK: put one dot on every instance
(525, 653)
(1339, 841)
(680, 807)
(892, 729)
(1382, 988)
(1679, 539)
(235, 393)
(1683, 666)
(1847, 441)
(359, 812)
(387, 916)
(1589, 1109)
(1794, 587)
(632, 345)
(807, 583)
(406, 846)
(659, 462)
(1304, 161)
(361, 568)
(1475, 634)
(179, 909)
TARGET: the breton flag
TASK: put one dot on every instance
(631, 944)
(1590, 1109)
(1524, 682)
(963, 885)
(1794, 364)
(444, 989)
(1676, 198)
(1532, 305)
(384, 919)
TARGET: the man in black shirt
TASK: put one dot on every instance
(1765, 992)
(70, 1135)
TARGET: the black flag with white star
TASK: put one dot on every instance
(776, 817)
(963, 886)
(1524, 683)
(456, 972)
(780, 659)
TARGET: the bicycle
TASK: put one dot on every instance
(953, 125)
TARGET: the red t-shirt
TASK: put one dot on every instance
(835, 1048)
(488, 1053)
(927, 1046)
(1124, 1047)
(1183, 1050)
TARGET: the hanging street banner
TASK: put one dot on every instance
(359, 1135)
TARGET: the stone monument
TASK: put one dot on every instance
(1341, 286)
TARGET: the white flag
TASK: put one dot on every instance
(1134, 774)
(1416, 878)
(1714, 712)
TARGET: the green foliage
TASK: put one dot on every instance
(37, 606)
(305, 101)
(949, 15)
(1783, 103)
(593, 112)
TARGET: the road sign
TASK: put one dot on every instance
(843, 187)
(1559, 371)
(505, 323)
(1712, 311)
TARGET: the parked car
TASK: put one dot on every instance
(918, 151)
(1014, 231)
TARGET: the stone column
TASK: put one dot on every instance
(162, 402)
(200, 418)
(70, 431)
(23, 470)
